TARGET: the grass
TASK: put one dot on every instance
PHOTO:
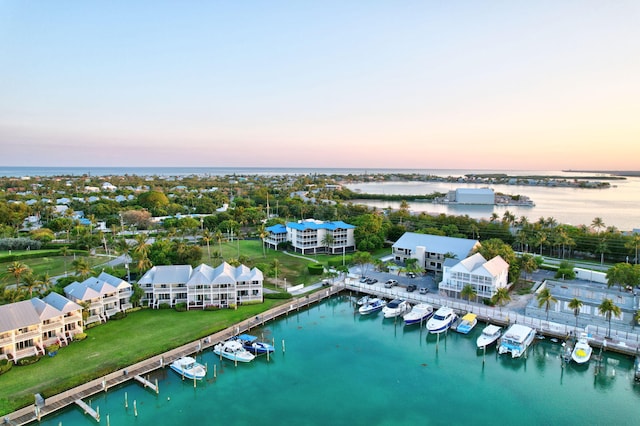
(53, 265)
(114, 345)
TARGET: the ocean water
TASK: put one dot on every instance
(340, 368)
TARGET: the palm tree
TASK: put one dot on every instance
(575, 304)
(608, 309)
(30, 282)
(636, 319)
(327, 241)
(64, 251)
(17, 269)
(468, 291)
(219, 237)
(501, 297)
(263, 233)
(546, 298)
(82, 267)
(528, 264)
(633, 243)
(597, 224)
(206, 237)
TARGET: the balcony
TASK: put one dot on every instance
(27, 335)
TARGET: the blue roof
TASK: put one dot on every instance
(301, 226)
(277, 229)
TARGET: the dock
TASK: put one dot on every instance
(88, 410)
(147, 384)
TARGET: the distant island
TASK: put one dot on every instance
(616, 173)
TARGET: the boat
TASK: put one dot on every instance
(441, 320)
(252, 344)
(582, 351)
(396, 308)
(516, 340)
(490, 334)
(636, 369)
(188, 367)
(467, 323)
(417, 314)
(374, 305)
(364, 300)
(234, 351)
(567, 349)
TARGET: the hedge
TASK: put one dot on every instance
(5, 365)
(315, 268)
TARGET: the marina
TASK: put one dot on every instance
(322, 341)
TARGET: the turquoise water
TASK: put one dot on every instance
(340, 368)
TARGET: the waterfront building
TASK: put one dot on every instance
(481, 196)
(431, 250)
(485, 276)
(106, 295)
(29, 326)
(312, 236)
(203, 286)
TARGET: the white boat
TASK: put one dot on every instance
(188, 367)
(374, 305)
(364, 300)
(233, 350)
(395, 308)
(516, 340)
(490, 334)
(417, 314)
(441, 320)
(467, 323)
(581, 351)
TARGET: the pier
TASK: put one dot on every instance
(88, 410)
(147, 384)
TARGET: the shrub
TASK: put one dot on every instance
(118, 315)
(52, 348)
(180, 307)
(164, 306)
(283, 295)
(211, 308)
(315, 268)
(79, 337)
(28, 360)
(5, 365)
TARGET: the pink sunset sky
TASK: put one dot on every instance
(541, 85)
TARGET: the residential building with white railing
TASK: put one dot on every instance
(105, 296)
(485, 276)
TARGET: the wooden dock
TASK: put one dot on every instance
(147, 384)
(88, 410)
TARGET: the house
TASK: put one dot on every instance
(431, 250)
(486, 277)
(106, 295)
(203, 286)
(313, 236)
(29, 326)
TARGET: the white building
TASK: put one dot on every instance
(486, 277)
(106, 295)
(431, 250)
(203, 286)
(482, 196)
(312, 236)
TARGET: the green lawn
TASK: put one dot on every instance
(53, 265)
(115, 345)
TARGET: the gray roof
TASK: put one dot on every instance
(167, 274)
(61, 303)
(18, 315)
(460, 247)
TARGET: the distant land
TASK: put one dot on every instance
(611, 172)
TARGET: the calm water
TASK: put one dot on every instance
(618, 206)
(340, 368)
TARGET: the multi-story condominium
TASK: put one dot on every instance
(486, 277)
(222, 286)
(105, 295)
(28, 327)
(312, 236)
(431, 250)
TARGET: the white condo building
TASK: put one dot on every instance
(312, 236)
(486, 277)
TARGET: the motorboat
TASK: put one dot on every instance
(373, 305)
(364, 300)
(516, 340)
(441, 320)
(396, 308)
(417, 314)
(189, 368)
(467, 323)
(254, 346)
(636, 369)
(490, 334)
(582, 351)
(234, 351)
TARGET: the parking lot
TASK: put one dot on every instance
(380, 278)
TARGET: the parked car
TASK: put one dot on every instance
(411, 287)
(411, 274)
(390, 283)
(363, 279)
(371, 281)
(424, 290)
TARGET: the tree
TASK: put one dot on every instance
(263, 233)
(608, 309)
(501, 297)
(468, 292)
(363, 259)
(597, 224)
(30, 282)
(546, 298)
(633, 243)
(576, 305)
(82, 267)
(528, 264)
(327, 241)
(17, 269)
(206, 237)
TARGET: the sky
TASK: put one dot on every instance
(529, 85)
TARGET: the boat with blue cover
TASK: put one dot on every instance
(252, 344)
